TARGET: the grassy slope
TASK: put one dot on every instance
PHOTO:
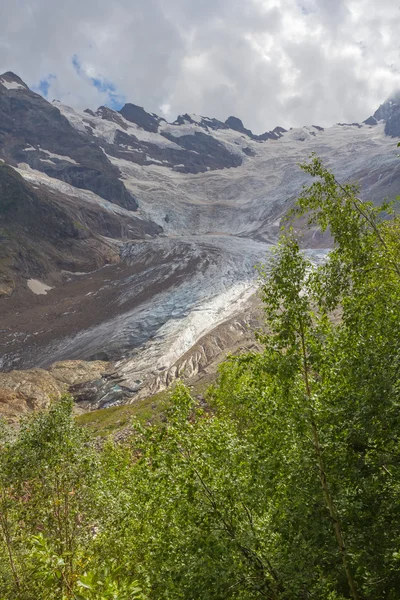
(108, 421)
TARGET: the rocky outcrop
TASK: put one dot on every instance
(76, 372)
(275, 134)
(370, 121)
(137, 115)
(389, 112)
(232, 123)
(237, 125)
(203, 152)
(205, 122)
(392, 126)
(21, 392)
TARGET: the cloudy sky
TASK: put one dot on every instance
(269, 62)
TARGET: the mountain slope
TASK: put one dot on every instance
(35, 132)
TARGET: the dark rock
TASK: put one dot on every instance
(389, 112)
(11, 77)
(213, 124)
(249, 152)
(137, 114)
(266, 136)
(110, 115)
(184, 119)
(205, 122)
(100, 183)
(181, 120)
(100, 393)
(318, 127)
(210, 153)
(275, 134)
(279, 131)
(387, 109)
(370, 121)
(87, 392)
(237, 125)
(392, 126)
(20, 206)
(43, 232)
(350, 125)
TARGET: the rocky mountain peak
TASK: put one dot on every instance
(137, 114)
(388, 108)
(11, 81)
(108, 114)
(200, 121)
(389, 112)
(237, 125)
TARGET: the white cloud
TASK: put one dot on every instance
(269, 62)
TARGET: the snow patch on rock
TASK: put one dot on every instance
(11, 85)
(37, 287)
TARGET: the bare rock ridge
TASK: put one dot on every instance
(24, 391)
(237, 125)
(137, 114)
(232, 123)
(131, 240)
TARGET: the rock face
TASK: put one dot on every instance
(22, 392)
(370, 121)
(389, 112)
(137, 114)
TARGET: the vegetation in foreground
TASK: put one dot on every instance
(289, 488)
(151, 410)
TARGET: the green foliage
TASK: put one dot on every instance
(107, 421)
(286, 487)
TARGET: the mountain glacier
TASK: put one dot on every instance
(165, 224)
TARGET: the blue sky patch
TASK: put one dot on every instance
(115, 99)
(77, 64)
(44, 85)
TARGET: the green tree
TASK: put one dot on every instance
(49, 513)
